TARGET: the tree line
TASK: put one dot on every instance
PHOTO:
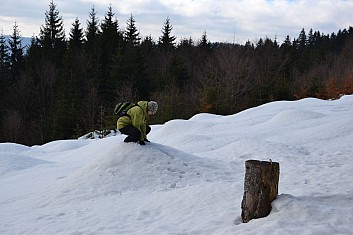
(63, 86)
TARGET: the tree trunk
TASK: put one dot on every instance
(260, 189)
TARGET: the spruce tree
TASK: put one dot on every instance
(148, 50)
(303, 59)
(91, 96)
(111, 40)
(16, 53)
(110, 33)
(76, 35)
(72, 85)
(4, 62)
(287, 41)
(204, 43)
(302, 40)
(131, 34)
(133, 60)
(4, 76)
(3, 51)
(167, 41)
(33, 47)
(93, 47)
(148, 45)
(166, 45)
(52, 34)
(311, 39)
(92, 30)
(48, 70)
(202, 53)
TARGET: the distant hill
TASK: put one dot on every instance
(26, 41)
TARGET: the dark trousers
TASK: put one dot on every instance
(133, 134)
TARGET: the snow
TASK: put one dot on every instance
(189, 179)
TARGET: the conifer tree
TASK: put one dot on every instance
(76, 35)
(302, 40)
(287, 41)
(127, 69)
(204, 43)
(182, 63)
(92, 30)
(48, 69)
(110, 31)
(133, 60)
(131, 34)
(111, 41)
(302, 54)
(203, 49)
(4, 74)
(148, 46)
(33, 47)
(3, 50)
(167, 41)
(286, 49)
(93, 47)
(166, 45)
(16, 53)
(52, 34)
(71, 85)
(311, 39)
(4, 62)
(148, 50)
(91, 100)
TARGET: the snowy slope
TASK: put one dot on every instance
(189, 179)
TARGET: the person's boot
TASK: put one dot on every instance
(129, 140)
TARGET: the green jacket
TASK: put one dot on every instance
(137, 117)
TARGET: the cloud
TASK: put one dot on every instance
(223, 20)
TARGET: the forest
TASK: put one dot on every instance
(64, 86)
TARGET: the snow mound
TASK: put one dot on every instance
(337, 128)
(62, 145)
(131, 167)
(184, 127)
(202, 117)
(294, 116)
(10, 162)
(13, 148)
(189, 133)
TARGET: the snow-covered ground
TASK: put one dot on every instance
(189, 179)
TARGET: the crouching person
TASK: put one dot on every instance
(134, 123)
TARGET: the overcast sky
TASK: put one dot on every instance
(234, 21)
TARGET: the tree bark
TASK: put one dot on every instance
(260, 189)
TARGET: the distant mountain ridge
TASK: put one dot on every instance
(26, 41)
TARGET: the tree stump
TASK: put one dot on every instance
(260, 189)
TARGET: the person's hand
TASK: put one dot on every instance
(141, 142)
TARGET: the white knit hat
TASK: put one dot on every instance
(152, 106)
